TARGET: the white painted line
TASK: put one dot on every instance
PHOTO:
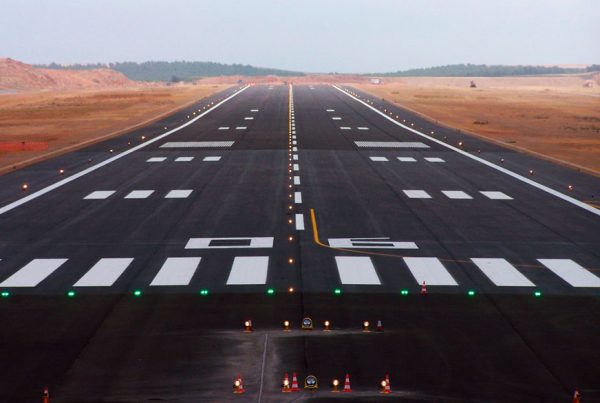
(156, 159)
(197, 144)
(248, 270)
(241, 128)
(390, 144)
(496, 195)
(104, 273)
(296, 167)
(370, 243)
(178, 194)
(296, 180)
(294, 142)
(294, 132)
(336, 118)
(521, 178)
(33, 273)
(253, 110)
(139, 194)
(224, 128)
(295, 149)
(184, 159)
(298, 197)
(93, 168)
(248, 118)
(300, 222)
(362, 128)
(176, 271)
(345, 128)
(295, 157)
(571, 272)
(417, 194)
(212, 158)
(294, 137)
(357, 270)
(230, 243)
(99, 195)
(502, 273)
(329, 110)
(379, 159)
(456, 194)
(434, 159)
(406, 159)
(430, 270)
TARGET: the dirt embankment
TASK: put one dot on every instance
(558, 117)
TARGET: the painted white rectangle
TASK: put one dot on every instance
(298, 197)
(329, 110)
(296, 167)
(295, 157)
(571, 272)
(178, 194)
(294, 142)
(197, 144)
(213, 158)
(456, 194)
(379, 159)
(300, 222)
(241, 128)
(176, 271)
(417, 194)
(33, 273)
(224, 128)
(99, 194)
(502, 273)
(139, 194)
(357, 270)
(430, 270)
(406, 159)
(253, 110)
(247, 270)
(296, 180)
(434, 159)
(184, 159)
(104, 273)
(345, 128)
(336, 118)
(230, 243)
(294, 132)
(248, 118)
(156, 159)
(362, 128)
(370, 243)
(390, 144)
(496, 195)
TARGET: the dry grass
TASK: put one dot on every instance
(67, 120)
(553, 116)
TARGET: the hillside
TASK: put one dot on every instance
(484, 70)
(16, 75)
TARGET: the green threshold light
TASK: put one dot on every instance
(270, 291)
(71, 294)
(203, 292)
(537, 294)
(471, 293)
(337, 291)
(137, 293)
(404, 292)
(5, 294)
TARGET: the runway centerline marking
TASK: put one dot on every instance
(379, 159)
(406, 159)
(300, 222)
(179, 194)
(139, 194)
(99, 195)
(184, 159)
(214, 158)
(496, 195)
(99, 165)
(417, 194)
(456, 194)
(156, 159)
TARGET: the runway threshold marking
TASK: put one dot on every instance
(104, 273)
(357, 270)
(176, 271)
(248, 270)
(99, 165)
(498, 168)
(33, 273)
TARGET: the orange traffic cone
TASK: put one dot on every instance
(385, 385)
(576, 396)
(295, 387)
(285, 387)
(238, 385)
(423, 288)
(45, 395)
(347, 384)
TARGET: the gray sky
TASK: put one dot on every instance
(306, 35)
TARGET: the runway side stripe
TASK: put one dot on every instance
(571, 272)
(247, 270)
(33, 273)
(104, 273)
(430, 270)
(176, 271)
(357, 270)
(521, 178)
(502, 273)
(93, 168)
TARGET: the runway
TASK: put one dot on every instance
(129, 277)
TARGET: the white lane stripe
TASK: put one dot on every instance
(224, 128)
(502, 273)
(196, 144)
(336, 118)
(406, 159)
(184, 159)
(496, 195)
(521, 178)
(33, 273)
(379, 159)
(241, 128)
(104, 273)
(362, 128)
(298, 197)
(178, 194)
(300, 222)
(295, 157)
(176, 271)
(248, 118)
(456, 194)
(99, 195)
(212, 158)
(78, 175)
(253, 110)
(296, 167)
(294, 142)
(356, 270)
(430, 270)
(330, 110)
(390, 144)
(230, 243)
(434, 159)
(417, 194)
(248, 270)
(345, 128)
(295, 149)
(139, 194)
(296, 180)
(571, 272)
(156, 159)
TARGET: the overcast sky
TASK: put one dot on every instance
(306, 35)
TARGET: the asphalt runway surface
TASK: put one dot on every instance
(129, 277)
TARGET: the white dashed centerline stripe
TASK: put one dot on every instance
(571, 272)
(176, 271)
(456, 194)
(357, 270)
(296, 167)
(300, 222)
(406, 159)
(224, 128)
(417, 194)
(296, 180)
(156, 159)
(139, 194)
(298, 197)
(104, 273)
(241, 128)
(99, 195)
(178, 194)
(379, 159)
(362, 128)
(184, 159)
(212, 158)
(248, 270)
(496, 195)
(33, 273)
(434, 159)
(430, 270)
(502, 273)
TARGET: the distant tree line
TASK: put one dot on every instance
(176, 71)
(484, 70)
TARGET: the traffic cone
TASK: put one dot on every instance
(285, 386)
(379, 326)
(423, 288)
(576, 396)
(45, 395)
(347, 384)
(238, 385)
(385, 385)
(295, 387)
